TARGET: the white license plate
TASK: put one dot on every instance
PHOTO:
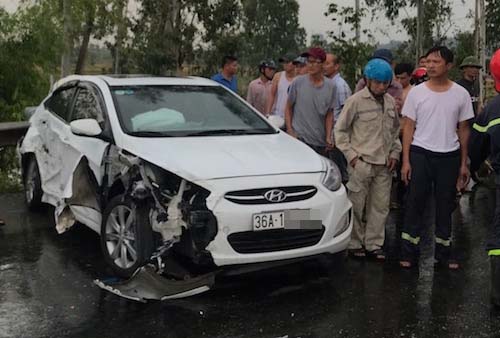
(269, 220)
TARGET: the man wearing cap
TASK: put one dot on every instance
(276, 102)
(300, 63)
(310, 105)
(260, 88)
(394, 89)
(470, 67)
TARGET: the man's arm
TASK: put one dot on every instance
(479, 142)
(343, 128)
(288, 119)
(250, 95)
(329, 122)
(408, 132)
(272, 95)
(463, 137)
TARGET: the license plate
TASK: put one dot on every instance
(269, 220)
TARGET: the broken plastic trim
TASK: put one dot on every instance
(146, 284)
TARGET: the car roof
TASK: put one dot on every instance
(138, 80)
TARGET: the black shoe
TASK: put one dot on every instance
(2, 222)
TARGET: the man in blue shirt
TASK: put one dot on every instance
(227, 75)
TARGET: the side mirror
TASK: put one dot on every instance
(85, 127)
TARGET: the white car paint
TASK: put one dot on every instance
(217, 163)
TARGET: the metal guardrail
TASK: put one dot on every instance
(11, 132)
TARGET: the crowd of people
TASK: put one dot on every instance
(403, 120)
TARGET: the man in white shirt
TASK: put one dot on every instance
(434, 155)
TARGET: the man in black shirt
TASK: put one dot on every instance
(470, 67)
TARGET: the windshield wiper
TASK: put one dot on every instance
(231, 132)
(150, 134)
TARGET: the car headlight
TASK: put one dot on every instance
(332, 179)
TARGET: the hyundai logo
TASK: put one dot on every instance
(275, 195)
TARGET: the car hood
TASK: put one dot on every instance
(205, 158)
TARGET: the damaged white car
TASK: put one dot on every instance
(179, 176)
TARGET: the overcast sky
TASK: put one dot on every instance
(312, 19)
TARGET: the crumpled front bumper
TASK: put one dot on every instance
(147, 284)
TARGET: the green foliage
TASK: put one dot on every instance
(353, 54)
(271, 29)
(492, 8)
(29, 45)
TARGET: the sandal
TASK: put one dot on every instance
(357, 253)
(451, 264)
(377, 254)
(405, 264)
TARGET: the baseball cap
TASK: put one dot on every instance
(300, 60)
(288, 57)
(315, 52)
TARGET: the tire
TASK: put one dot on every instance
(126, 236)
(33, 186)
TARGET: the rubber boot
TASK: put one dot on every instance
(495, 280)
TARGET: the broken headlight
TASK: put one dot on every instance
(332, 179)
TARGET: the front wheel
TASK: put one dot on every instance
(32, 185)
(126, 236)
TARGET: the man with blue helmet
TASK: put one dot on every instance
(367, 133)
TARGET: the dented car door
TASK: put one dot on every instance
(82, 172)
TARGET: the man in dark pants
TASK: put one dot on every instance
(485, 141)
(434, 154)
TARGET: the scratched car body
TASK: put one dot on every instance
(179, 167)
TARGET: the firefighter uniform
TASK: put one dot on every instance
(484, 142)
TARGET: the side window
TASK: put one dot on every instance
(87, 106)
(60, 101)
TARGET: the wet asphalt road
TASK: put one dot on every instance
(46, 290)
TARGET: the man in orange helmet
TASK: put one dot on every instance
(485, 141)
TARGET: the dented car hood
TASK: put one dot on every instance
(213, 157)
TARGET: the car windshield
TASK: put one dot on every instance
(176, 111)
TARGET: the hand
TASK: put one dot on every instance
(463, 178)
(406, 172)
(353, 162)
(291, 132)
(329, 144)
(391, 164)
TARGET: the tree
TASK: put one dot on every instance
(436, 21)
(492, 8)
(271, 28)
(345, 45)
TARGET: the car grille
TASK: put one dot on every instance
(274, 240)
(256, 196)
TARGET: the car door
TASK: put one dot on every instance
(81, 153)
(53, 115)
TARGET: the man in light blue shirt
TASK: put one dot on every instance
(227, 75)
(331, 69)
